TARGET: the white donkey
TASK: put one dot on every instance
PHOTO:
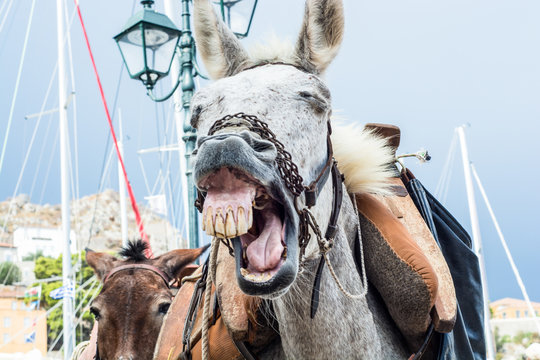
(263, 138)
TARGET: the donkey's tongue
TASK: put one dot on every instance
(264, 252)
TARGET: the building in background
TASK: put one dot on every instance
(512, 316)
(48, 241)
(23, 327)
(509, 308)
(8, 252)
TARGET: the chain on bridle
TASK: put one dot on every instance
(288, 172)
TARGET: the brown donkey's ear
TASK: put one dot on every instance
(174, 261)
(102, 263)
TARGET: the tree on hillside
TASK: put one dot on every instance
(47, 267)
(9, 273)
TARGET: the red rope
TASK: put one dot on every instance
(144, 237)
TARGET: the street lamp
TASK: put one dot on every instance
(149, 43)
(238, 15)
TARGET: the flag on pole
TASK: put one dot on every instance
(30, 338)
(33, 305)
(63, 291)
(34, 293)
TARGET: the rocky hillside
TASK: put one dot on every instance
(99, 230)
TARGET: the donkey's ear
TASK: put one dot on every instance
(174, 261)
(102, 263)
(222, 53)
(321, 34)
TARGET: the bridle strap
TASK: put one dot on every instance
(337, 180)
(154, 269)
(312, 191)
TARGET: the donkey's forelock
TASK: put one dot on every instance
(135, 251)
(317, 45)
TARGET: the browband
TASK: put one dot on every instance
(154, 269)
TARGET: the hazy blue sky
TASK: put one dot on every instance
(427, 66)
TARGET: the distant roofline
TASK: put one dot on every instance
(509, 300)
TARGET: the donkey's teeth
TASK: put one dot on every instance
(209, 225)
(220, 224)
(230, 225)
(242, 226)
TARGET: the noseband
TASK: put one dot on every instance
(166, 279)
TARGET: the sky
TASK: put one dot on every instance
(426, 66)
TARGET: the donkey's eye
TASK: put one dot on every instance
(163, 308)
(94, 311)
(195, 112)
(316, 102)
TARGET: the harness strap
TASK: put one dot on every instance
(337, 181)
(154, 269)
(313, 190)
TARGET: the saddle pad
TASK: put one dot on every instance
(403, 207)
(398, 268)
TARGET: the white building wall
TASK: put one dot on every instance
(49, 241)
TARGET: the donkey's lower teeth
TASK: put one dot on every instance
(259, 277)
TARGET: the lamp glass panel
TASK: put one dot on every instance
(237, 14)
(160, 47)
(133, 53)
(240, 13)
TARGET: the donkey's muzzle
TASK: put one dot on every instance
(243, 151)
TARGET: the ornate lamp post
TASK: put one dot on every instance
(148, 45)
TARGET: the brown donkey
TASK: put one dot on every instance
(135, 297)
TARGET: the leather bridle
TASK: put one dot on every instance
(288, 171)
(166, 279)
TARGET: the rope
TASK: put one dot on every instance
(134, 205)
(364, 291)
(17, 83)
(207, 296)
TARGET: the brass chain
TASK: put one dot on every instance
(287, 168)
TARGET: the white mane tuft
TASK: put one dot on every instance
(273, 49)
(363, 158)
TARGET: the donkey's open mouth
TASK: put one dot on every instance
(238, 207)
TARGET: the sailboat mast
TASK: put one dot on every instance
(172, 10)
(122, 184)
(477, 240)
(64, 174)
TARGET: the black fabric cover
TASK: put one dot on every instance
(466, 341)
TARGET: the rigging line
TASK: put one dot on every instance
(442, 179)
(38, 122)
(6, 14)
(3, 5)
(506, 249)
(51, 158)
(130, 190)
(60, 335)
(41, 153)
(446, 187)
(8, 273)
(144, 175)
(17, 83)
